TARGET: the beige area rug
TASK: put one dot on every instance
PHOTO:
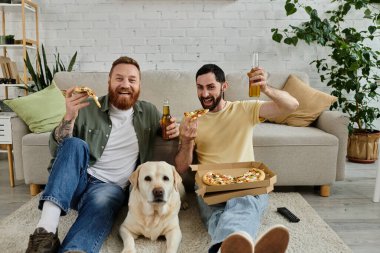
(310, 235)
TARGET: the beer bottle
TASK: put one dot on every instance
(165, 119)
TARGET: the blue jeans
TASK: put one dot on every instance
(237, 214)
(97, 203)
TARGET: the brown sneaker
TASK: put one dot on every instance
(275, 240)
(42, 241)
(237, 242)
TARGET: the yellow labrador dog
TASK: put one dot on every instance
(153, 205)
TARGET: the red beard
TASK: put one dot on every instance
(121, 102)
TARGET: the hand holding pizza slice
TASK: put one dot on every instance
(89, 92)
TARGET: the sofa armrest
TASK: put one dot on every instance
(336, 123)
(19, 129)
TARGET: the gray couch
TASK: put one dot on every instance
(312, 155)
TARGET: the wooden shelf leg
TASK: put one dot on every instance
(34, 189)
(10, 165)
(325, 190)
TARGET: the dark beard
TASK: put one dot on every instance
(214, 104)
(121, 103)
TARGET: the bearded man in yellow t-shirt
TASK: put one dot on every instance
(224, 135)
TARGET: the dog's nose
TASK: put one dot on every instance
(158, 192)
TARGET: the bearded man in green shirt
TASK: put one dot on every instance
(95, 151)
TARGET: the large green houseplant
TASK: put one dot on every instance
(42, 75)
(351, 65)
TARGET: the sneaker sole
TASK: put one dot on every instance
(237, 243)
(275, 240)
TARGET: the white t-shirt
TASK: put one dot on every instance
(121, 152)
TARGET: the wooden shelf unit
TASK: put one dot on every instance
(26, 43)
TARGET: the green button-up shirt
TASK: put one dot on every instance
(93, 125)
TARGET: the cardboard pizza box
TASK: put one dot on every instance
(220, 197)
(233, 169)
(221, 193)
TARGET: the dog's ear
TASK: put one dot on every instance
(134, 178)
(177, 179)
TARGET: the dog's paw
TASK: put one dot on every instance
(184, 205)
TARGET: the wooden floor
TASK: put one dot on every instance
(349, 210)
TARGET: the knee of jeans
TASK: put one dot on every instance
(113, 197)
(74, 143)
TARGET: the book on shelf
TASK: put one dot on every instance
(9, 69)
(28, 42)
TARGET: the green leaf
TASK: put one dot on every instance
(49, 76)
(295, 40)
(61, 66)
(372, 29)
(359, 5)
(30, 68)
(308, 9)
(366, 56)
(288, 41)
(354, 66)
(367, 13)
(41, 75)
(72, 62)
(359, 97)
(346, 8)
(373, 86)
(290, 9)
(277, 37)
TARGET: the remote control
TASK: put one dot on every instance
(288, 214)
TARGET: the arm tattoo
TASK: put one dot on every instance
(63, 130)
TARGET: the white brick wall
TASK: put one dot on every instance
(175, 34)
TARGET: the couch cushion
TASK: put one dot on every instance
(41, 111)
(238, 89)
(269, 134)
(176, 86)
(312, 103)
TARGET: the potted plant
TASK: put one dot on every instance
(43, 75)
(9, 39)
(350, 68)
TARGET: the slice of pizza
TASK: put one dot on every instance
(90, 93)
(196, 114)
(253, 175)
(212, 179)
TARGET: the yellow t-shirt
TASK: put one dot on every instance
(226, 136)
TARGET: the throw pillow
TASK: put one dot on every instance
(312, 103)
(41, 111)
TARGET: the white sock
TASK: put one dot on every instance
(50, 217)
